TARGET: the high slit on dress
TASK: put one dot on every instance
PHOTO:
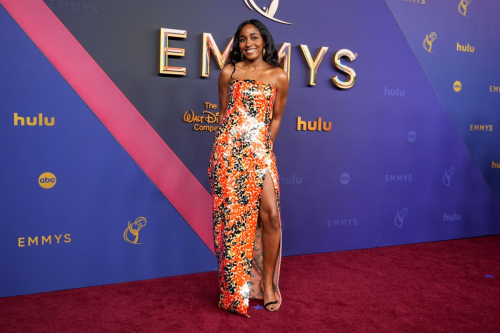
(242, 154)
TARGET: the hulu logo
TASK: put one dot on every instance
(317, 125)
(33, 121)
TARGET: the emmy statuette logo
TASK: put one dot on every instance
(429, 39)
(398, 219)
(447, 176)
(268, 12)
(462, 6)
(133, 229)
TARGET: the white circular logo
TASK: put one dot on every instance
(412, 136)
(345, 178)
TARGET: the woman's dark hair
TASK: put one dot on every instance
(271, 56)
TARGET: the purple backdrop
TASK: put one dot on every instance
(398, 166)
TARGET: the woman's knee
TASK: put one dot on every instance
(271, 220)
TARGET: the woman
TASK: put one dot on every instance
(242, 171)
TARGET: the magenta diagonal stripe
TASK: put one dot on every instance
(117, 114)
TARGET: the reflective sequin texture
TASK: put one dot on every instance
(241, 157)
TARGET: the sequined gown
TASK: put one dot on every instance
(241, 157)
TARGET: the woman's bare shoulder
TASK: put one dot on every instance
(225, 73)
(228, 68)
(280, 76)
(279, 73)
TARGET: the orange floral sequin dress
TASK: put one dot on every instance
(242, 155)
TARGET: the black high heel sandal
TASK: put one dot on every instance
(268, 303)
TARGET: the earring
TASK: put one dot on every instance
(264, 52)
(242, 57)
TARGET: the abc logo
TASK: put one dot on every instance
(345, 178)
(47, 180)
(457, 86)
(412, 136)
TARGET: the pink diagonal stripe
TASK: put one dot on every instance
(115, 111)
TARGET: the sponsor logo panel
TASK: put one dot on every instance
(481, 128)
(47, 180)
(394, 92)
(446, 180)
(342, 222)
(465, 48)
(462, 7)
(131, 233)
(345, 178)
(33, 121)
(318, 125)
(411, 136)
(452, 216)
(400, 216)
(428, 40)
(43, 240)
(420, 2)
(291, 180)
(398, 178)
(207, 121)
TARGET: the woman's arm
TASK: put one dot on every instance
(282, 85)
(224, 77)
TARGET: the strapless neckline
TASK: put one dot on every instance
(255, 81)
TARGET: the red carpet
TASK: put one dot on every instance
(450, 286)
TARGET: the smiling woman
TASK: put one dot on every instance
(242, 172)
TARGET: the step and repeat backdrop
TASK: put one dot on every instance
(391, 133)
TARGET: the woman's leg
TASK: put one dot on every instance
(271, 229)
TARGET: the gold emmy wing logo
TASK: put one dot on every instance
(133, 229)
(429, 39)
(462, 6)
(457, 86)
(268, 12)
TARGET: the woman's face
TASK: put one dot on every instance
(251, 42)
